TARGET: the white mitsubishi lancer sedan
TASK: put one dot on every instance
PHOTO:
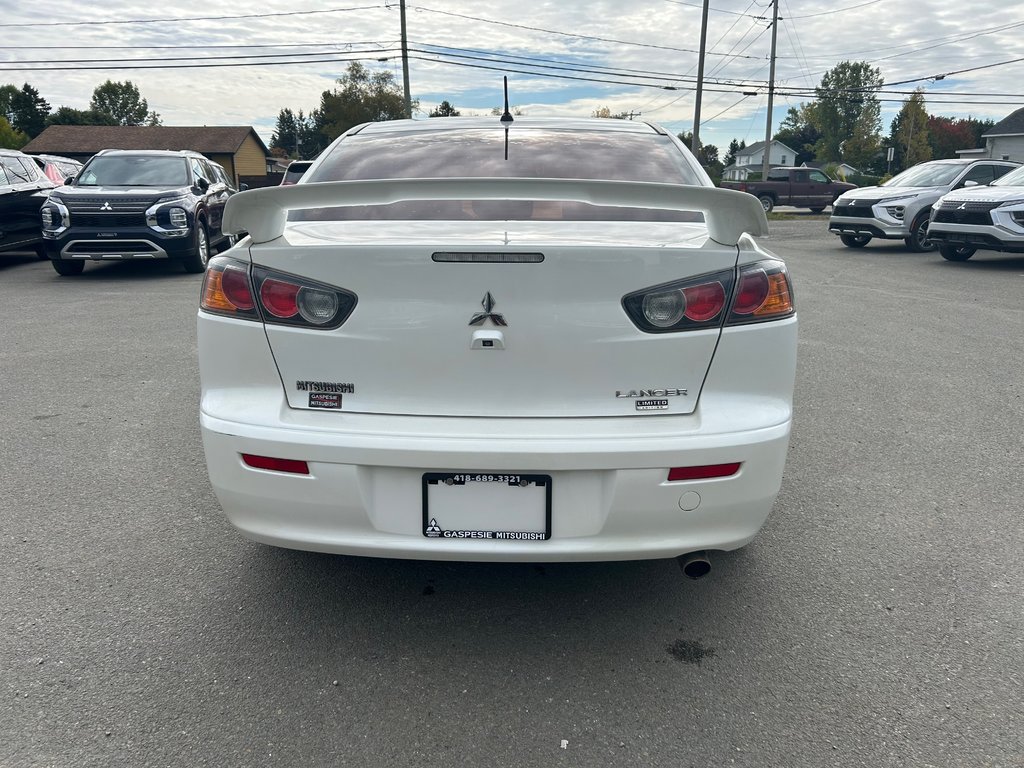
(461, 339)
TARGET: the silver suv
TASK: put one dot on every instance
(900, 208)
(982, 218)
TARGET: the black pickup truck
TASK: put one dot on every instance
(800, 187)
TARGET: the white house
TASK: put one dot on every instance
(1004, 141)
(751, 159)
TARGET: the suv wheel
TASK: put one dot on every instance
(855, 241)
(956, 252)
(918, 241)
(198, 260)
(66, 268)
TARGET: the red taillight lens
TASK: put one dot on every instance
(704, 302)
(702, 473)
(291, 466)
(752, 291)
(235, 284)
(280, 298)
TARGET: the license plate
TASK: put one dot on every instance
(486, 505)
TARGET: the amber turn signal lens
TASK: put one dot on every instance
(226, 290)
(779, 300)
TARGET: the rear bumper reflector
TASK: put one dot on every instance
(291, 466)
(702, 473)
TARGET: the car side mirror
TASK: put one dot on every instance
(242, 187)
(202, 183)
(70, 179)
(970, 183)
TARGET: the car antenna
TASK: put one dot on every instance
(506, 118)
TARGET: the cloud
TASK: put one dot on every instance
(651, 43)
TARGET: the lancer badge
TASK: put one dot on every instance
(482, 317)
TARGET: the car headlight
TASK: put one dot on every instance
(179, 218)
(54, 217)
(1017, 216)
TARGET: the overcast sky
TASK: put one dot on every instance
(644, 47)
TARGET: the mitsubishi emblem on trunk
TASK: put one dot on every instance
(482, 317)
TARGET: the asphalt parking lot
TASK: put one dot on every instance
(877, 621)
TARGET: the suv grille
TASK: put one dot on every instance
(953, 212)
(861, 210)
(116, 205)
(108, 220)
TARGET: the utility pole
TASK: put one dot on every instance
(765, 166)
(695, 139)
(405, 63)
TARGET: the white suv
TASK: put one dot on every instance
(578, 354)
(981, 218)
(900, 208)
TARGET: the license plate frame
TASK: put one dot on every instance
(535, 483)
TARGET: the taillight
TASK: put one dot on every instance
(226, 290)
(751, 294)
(290, 300)
(229, 289)
(683, 306)
(762, 293)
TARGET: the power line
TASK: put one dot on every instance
(184, 18)
(558, 32)
(834, 10)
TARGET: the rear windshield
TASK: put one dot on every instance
(532, 153)
(134, 171)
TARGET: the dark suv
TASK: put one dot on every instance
(23, 190)
(138, 204)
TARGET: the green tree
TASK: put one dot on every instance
(24, 109)
(298, 135)
(798, 131)
(363, 96)
(122, 104)
(847, 111)
(285, 133)
(11, 138)
(70, 116)
(444, 109)
(734, 149)
(911, 131)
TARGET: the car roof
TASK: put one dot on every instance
(439, 124)
(156, 152)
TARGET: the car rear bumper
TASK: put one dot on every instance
(611, 498)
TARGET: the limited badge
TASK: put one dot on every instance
(652, 405)
(324, 400)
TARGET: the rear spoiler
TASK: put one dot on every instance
(263, 213)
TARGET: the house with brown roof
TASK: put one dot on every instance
(238, 149)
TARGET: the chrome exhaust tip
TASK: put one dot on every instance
(695, 565)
